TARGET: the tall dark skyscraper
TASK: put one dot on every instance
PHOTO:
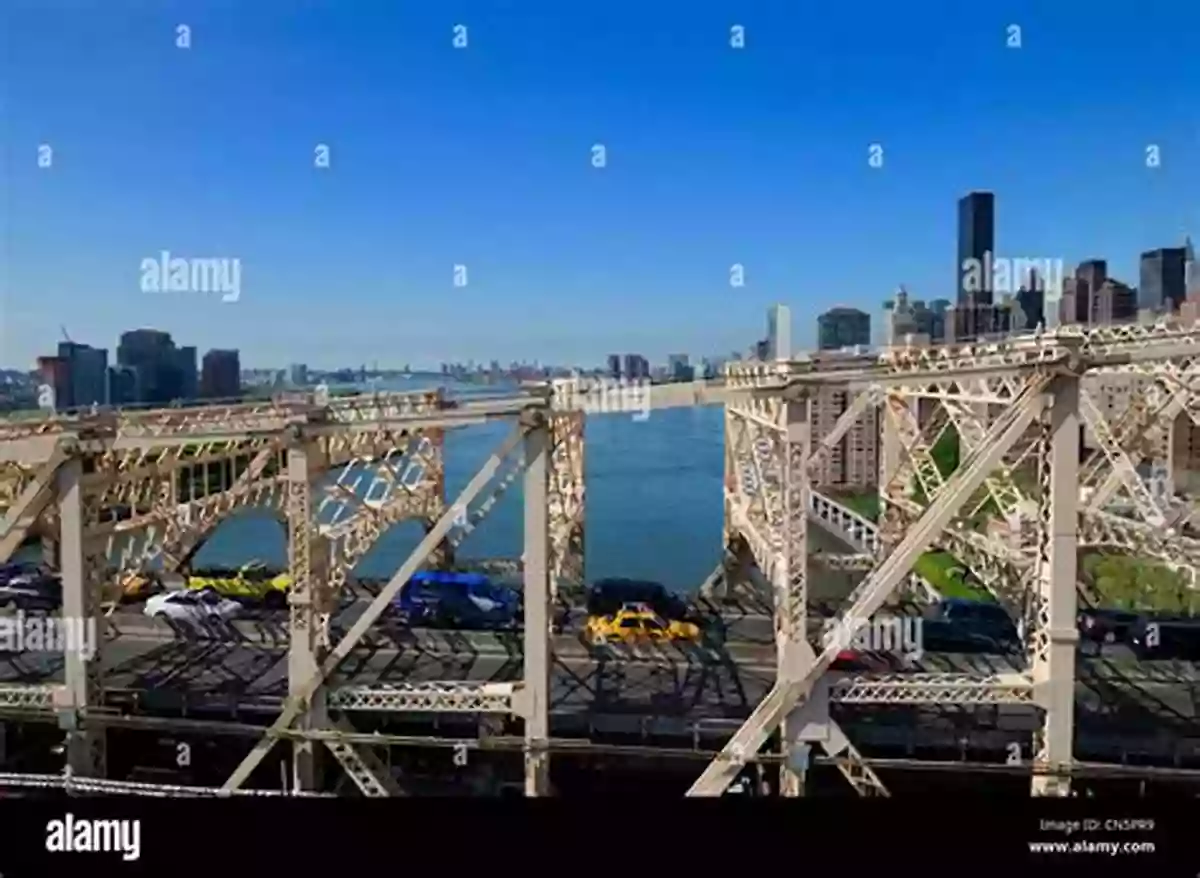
(221, 375)
(1163, 281)
(88, 369)
(842, 328)
(976, 239)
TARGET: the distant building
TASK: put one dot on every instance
(970, 320)
(636, 367)
(1029, 312)
(1162, 287)
(762, 350)
(151, 354)
(1113, 302)
(88, 370)
(853, 462)
(976, 244)
(843, 328)
(614, 365)
(299, 374)
(55, 373)
(221, 375)
(678, 368)
(779, 333)
(122, 386)
(189, 376)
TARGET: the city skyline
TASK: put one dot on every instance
(484, 160)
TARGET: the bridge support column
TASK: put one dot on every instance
(537, 612)
(1054, 636)
(566, 506)
(790, 581)
(83, 689)
(309, 607)
(894, 473)
(434, 463)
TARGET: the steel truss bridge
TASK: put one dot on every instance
(1017, 405)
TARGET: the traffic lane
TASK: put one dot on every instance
(131, 628)
(148, 642)
(650, 681)
(272, 631)
(230, 674)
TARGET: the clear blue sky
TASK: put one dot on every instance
(481, 157)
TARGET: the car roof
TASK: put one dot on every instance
(449, 577)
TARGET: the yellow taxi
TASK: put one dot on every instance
(252, 581)
(634, 622)
(131, 586)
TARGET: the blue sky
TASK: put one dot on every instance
(481, 157)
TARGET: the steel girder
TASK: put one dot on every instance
(790, 694)
(969, 381)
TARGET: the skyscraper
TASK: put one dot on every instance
(1162, 286)
(185, 363)
(843, 328)
(151, 355)
(88, 370)
(221, 375)
(975, 313)
(636, 367)
(976, 239)
(779, 333)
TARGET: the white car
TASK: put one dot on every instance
(192, 607)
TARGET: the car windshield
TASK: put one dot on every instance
(630, 623)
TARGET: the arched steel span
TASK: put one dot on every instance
(1017, 406)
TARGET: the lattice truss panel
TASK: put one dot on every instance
(994, 419)
(1017, 407)
(767, 460)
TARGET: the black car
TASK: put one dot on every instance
(1104, 625)
(983, 618)
(942, 635)
(35, 589)
(606, 597)
(1166, 638)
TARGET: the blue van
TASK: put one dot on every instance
(465, 601)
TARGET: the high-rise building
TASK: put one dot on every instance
(185, 363)
(636, 367)
(151, 354)
(221, 375)
(843, 328)
(299, 374)
(1162, 288)
(1113, 302)
(976, 246)
(88, 369)
(122, 386)
(55, 374)
(779, 333)
(614, 365)
(678, 368)
(852, 463)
